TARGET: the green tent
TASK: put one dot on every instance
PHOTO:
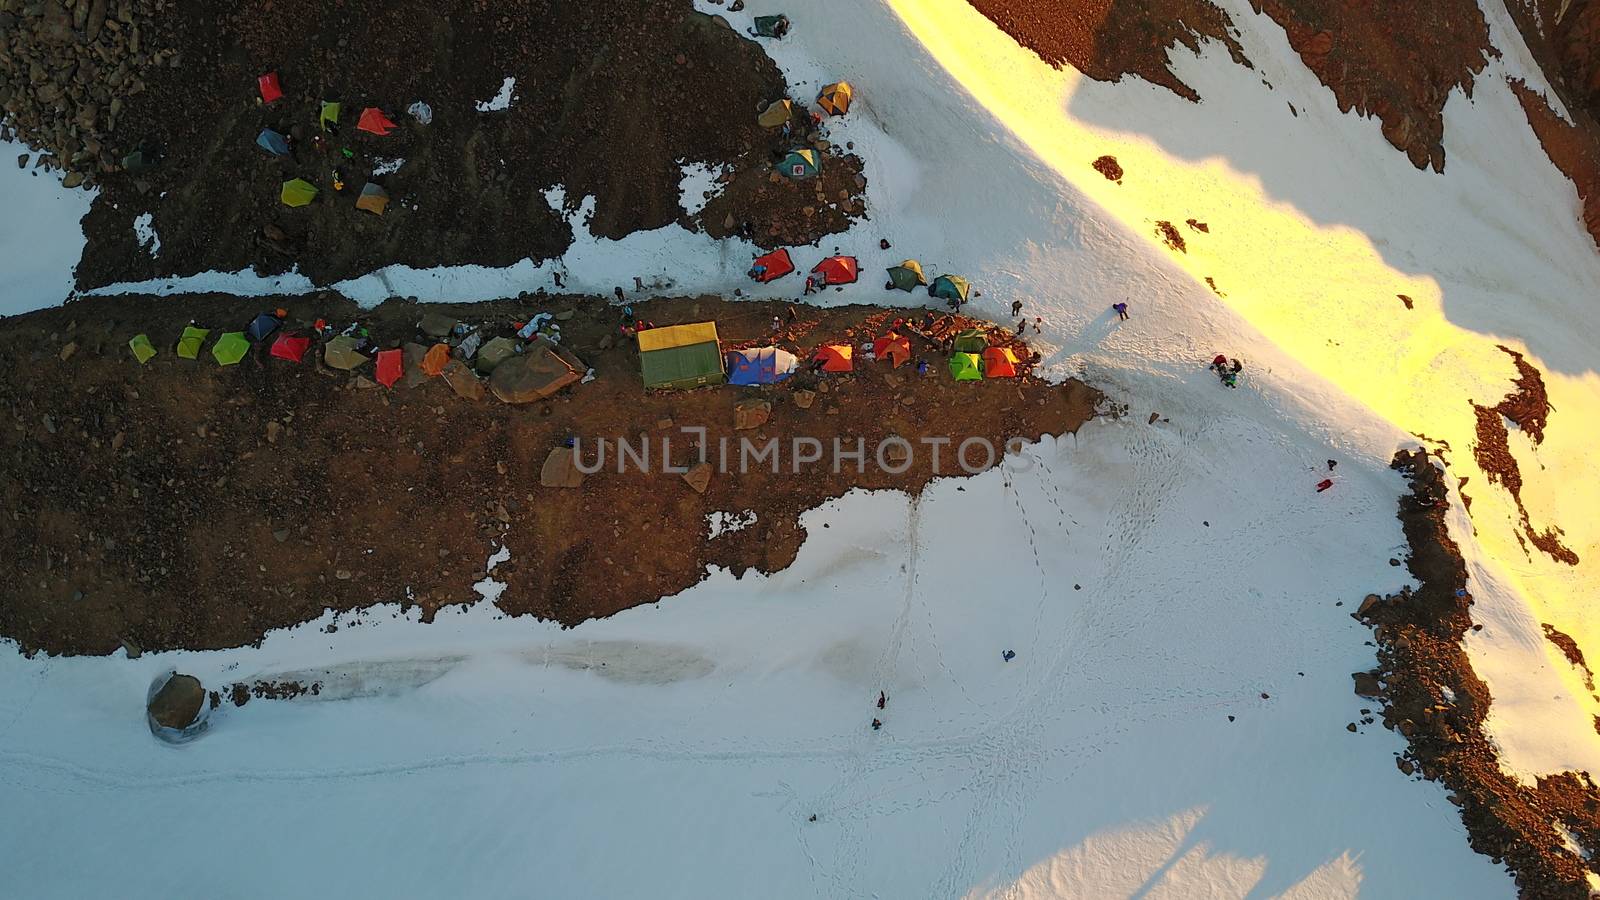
(907, 275)
(230, 348)
(142, 349)
(136, 162)
(972, 341)
(328, 116)
(680, 356)
(950, 287)
(189, 343)
(803, 163)
(964, 367)
(298, 192)
(771, 26)
(494, 352)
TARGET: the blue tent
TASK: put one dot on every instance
(265, 324)
(273, 142)
(760, 365)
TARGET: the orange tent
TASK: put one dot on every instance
(291, 347)
(772, 266)
(835, 357)
(894, 348)
(390, 367)
(375, 122)
(838, 269)
(999, 362)
(437, 358)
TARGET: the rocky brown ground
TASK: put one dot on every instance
(609, 101)
(1395, 62)
(182, 504)
(1430, 695)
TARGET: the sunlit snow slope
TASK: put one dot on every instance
(1154, 580)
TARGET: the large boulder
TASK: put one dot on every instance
(178, 703)
(561, 469)
(751, 414)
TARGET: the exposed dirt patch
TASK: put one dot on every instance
(1407, 301)
(1198, 225)
(1569, 648)
(773, 211)
(182, 504)
(1529, 409)
(1432, 697)
(1109, 167)
(1107, 39)
(241, 693)
(637, 88)
(1171, 236)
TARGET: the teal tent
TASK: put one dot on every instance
(804, 163)
(273, 142)
(950, 287)
(771, 26)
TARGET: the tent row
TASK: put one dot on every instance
(905, 276)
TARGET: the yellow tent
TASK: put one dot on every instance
(298, 192)
(142, 349)
(189, 343)
(835, 98)
(341, 353)
(328, 116)
(775, 115)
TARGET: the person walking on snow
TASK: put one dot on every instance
(877, 724)
(1016, 307)
(883, 699)
(1122, 310)
(1009, 655)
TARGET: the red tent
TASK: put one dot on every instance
(375, 122)
(835, 357)
(999, 362)
(838, 269)
(291, 347)
(270, 90)
(773, 266)
(390, 367)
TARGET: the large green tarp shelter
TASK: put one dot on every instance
(142, 349)
(964, 367)
(972, 341)
(230, 348)
(680, 356)
(907, 275)
(189, 343)
(950, 287)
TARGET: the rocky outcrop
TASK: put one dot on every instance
(68, 67)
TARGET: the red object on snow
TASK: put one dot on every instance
(1324, 484)
(777, 264)
(291, 347)
(375, 122)
(270, 90)
(837, 270)
(389, 367)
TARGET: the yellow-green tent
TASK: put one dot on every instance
(189, 343)
(964, 367)
(775, 115)
(230, 348)
(142, 348)
(341, 353)
(298, 192)
(835, 98)
(680, 356)
(328, 116)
